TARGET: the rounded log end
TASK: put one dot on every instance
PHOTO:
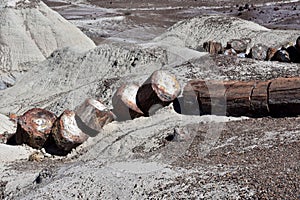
(34, 127)
(165, 85)
(66, 134)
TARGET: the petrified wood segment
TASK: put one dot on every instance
(284, 97)
(238, 98)
(92, 115)
(210, 96)
(159, 90)
(34, 127)
(279, 97)
(66, 133)
(213, 47)
(259, 99)
(124, 102)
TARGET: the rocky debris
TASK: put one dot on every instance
(277, 98)
(159, 90)
(258, 52)
(239, 45)
(44, 174)
(92, 115)
(66, 133)
(124, 102)
(36, 156)
(34, 127)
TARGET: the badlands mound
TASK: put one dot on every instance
(194, 32)
(30, 32)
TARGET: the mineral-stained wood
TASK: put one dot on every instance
(159, 90)
(34, 127)
(278, 97)
(259, 99)
(94, 115)
(210, 96)
(284, 97)
(66, 133)
(238, 97)
(124, 102)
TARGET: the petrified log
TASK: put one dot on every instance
(284, 97)
(159, 90)
(34, 127)
(259, 99)
(238, 98)
(124, 102)
(213, 47)
(210, 96)
(270, 53)
(66, 133)
(92, 115)
(258, 52)
(279, 97)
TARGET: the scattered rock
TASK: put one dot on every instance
(258, 52)
(44, 175)
(239, 45)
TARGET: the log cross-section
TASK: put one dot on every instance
(34, 127)
(159, 90)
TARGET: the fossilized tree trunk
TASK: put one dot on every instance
(278, 97)
(159, 90)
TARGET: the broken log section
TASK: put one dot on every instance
(92, 115)
(124, 102)
(66, 133)
(279, 97)
(159, 90)
(34, 127)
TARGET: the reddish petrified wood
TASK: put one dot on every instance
(238, 97)
(210, 96)
(284, 97)
(34, 127)
(66, 133)
(279, 97)
(159, 90)
(124, 102)
(213, 47)
(92, 115)
(259, 99)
